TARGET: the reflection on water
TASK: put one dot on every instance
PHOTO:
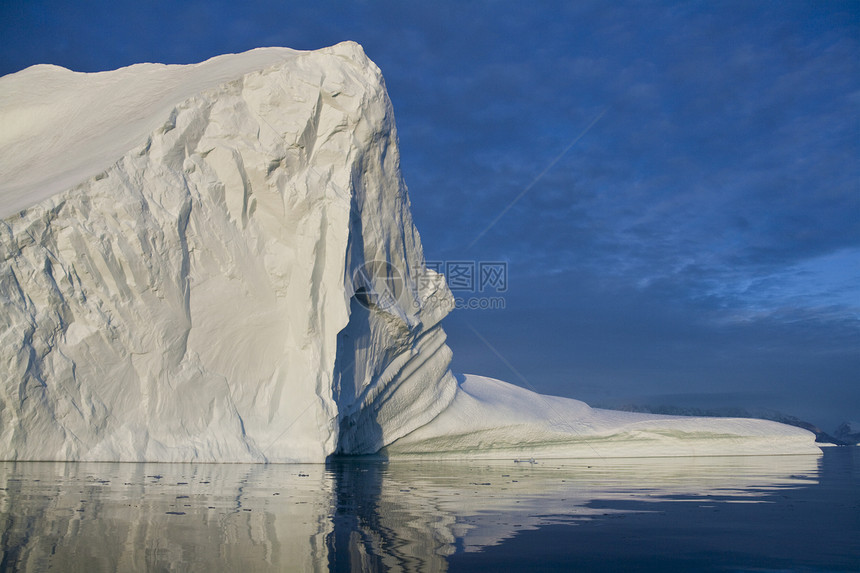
(365, 515)
(145, 517)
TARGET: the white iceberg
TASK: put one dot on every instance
(217, 262)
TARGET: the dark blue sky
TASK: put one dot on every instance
(678, 184)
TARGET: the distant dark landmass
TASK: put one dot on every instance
(849, 432)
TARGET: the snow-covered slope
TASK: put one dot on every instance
(490, 419)
(217, 262)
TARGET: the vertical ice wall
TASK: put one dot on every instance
(194, 296)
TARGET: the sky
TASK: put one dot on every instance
(673, 188)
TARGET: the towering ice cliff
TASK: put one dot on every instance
(191, 295)
(217, 262)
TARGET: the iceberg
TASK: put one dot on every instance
(217, 262)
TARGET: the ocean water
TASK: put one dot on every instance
(779, 513)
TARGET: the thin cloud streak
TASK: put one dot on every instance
(537, 179)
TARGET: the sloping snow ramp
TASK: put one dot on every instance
(493, 419)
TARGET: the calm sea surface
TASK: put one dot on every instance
(781, 513)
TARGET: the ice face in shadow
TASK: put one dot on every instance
(351, 513)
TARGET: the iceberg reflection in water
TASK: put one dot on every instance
(351, 514)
